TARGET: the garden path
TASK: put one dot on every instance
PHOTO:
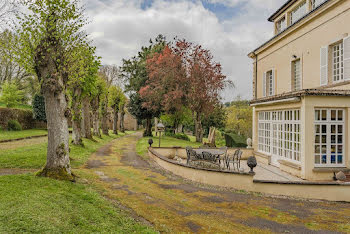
(172, 204)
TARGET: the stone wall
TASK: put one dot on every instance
(24, 117)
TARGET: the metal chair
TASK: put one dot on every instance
(225, 156)
(191, 154)
(236, 160)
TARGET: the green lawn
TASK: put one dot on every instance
(34, 156)
(30, 204)
(19, 106)
(142, 144)
(8, 135)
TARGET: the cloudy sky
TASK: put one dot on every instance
(229, 28)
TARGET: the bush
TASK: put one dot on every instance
(180, 136)
(230, 142)
(14, 125)
(39, 108)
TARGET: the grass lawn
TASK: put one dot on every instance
(34, 156)
(19, 106)
(9, 135)
(165, 141)
(30, 204)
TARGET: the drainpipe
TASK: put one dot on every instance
(256, 76)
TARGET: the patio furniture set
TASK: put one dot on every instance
(215, 156)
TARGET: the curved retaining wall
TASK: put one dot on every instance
(331, 191)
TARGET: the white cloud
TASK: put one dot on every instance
(119, 29)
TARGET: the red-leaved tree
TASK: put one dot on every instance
(184, 75)
(164, 87)
(205, 81)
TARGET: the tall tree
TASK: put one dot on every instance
(134, 71)
(205, 81)
(122, 112)
(50, 34)
(96, 96)
(110, 73)
(114, 98)
(184, 75)
(82, 81)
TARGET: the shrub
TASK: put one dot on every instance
(13, 125)
(230, 142)
(39, 108)
(10, 95)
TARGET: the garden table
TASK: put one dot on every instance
(217, 152)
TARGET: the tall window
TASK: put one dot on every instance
(338, 62)
(270, 83)
(316, 3)
(296, 75)
(264, 132)
(329, 137)
(298, 12)
(281, 25)
(279, 134)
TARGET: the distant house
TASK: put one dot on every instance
(301, 90)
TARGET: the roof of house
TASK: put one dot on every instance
(302, 93)
(281, 9)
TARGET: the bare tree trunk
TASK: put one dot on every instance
(95, 116)
(76, 136)
(76, 117)
(58, 164)
(148, 130)
(115, 122)
(104, 120)
(122, 114)
(86, 118)
(198, 127)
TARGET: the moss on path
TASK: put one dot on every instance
(174, 205)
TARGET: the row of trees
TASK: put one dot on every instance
(171, 78)
(50, 48)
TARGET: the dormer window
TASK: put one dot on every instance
(281, 25)
(316, 3)
(298, 12)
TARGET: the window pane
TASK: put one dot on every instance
(317, 115)
(324, 115)
(340, 115)
(333, 115)
(340, 159)
(333, 159)
(318, 129)
(317, 159)
(333, 129)
(340, 128)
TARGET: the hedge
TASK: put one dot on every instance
(24, 117)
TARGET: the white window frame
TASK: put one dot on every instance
(297, 13)
(323, 137)
(338, 62)
(281, 25)
(284, 140)
(269, 83)
(296, 87)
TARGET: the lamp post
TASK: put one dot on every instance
(160, 129)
